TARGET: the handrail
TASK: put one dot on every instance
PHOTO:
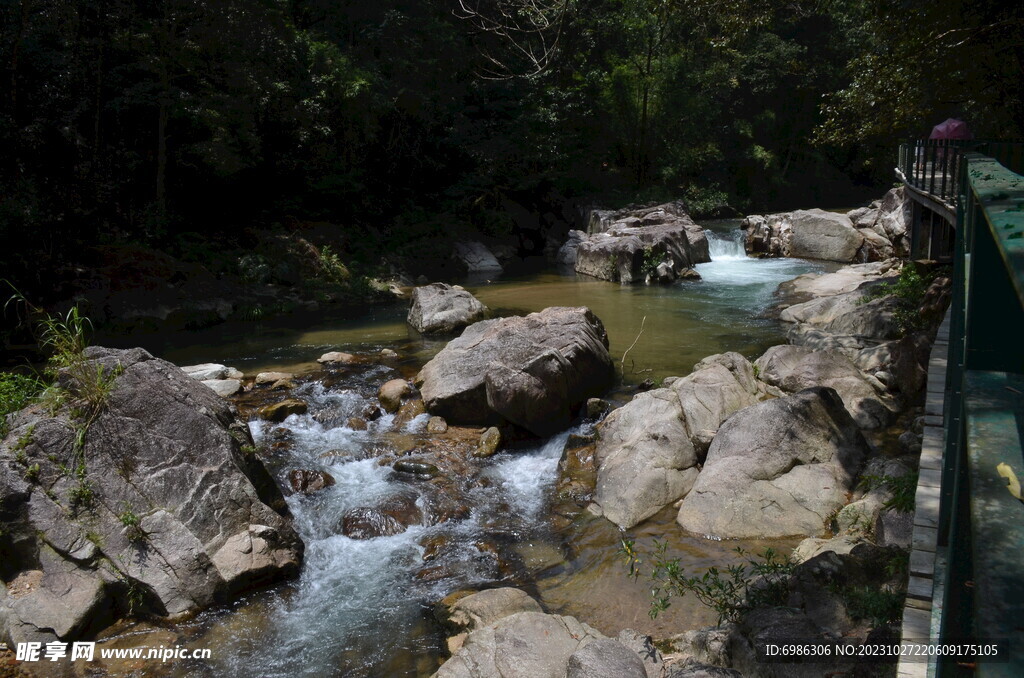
(935, 166)
(981, 526)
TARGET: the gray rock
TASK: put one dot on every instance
(811, 234)
(777, 468)
(708, 646)
(813, 546)
(605, 658)
(477, 610)
(645, 458)
(863, 217)
(894, 219)
(335, 357)
(794, 368)
(648, 450)
(165, 449)
(847, 314)
(567, 253)
(440, 309)
(894, 528)
(662, 234)
(643, 647)
(691, 668)
(475, 257)
(208, 371)
(224, 387)
(521, 645)
(875, 247)
(847, 279)
(532, 371)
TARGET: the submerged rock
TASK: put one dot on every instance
(166, 504)
(489, 442)
(441, 309)
(778, 468)
(306, 481)
(282, 410)
(533, 371)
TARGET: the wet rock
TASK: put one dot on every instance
(597, 407)
(489, 442)
(282, 385)
(794, 368)
(777, 468)
(306, 481)
(264, 378)
(605, 658)
(577, 469)
(356, 423)
(689, 274)
(164, 447)
(439, 308)
(211, 371)
(437, 425)
(419, 469)
(533, 371)
(336, 357)
(434, 546)
(392, 393)
(282, 410)
(388, 354)
(409, 410)
(393, 515)
(225, 388)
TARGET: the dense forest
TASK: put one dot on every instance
(188, 127)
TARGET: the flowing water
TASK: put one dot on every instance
(361, 607)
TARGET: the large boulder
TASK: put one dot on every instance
(776, 469)
(567, 252)
(520, 645)
(648, 450)
(475, 258)
(810, 234)
(532, 371)
(847, 279)
(794, 368)
(441, 309)
(146, 494)
(851, 314)
(894, 219)
(633, 247)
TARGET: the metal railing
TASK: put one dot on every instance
(981, 526)
(935, 166)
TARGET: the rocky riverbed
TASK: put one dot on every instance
(493, 464)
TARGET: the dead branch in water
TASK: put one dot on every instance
(622, 363)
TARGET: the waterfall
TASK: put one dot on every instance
(726, 245)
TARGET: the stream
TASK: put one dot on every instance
(362, 608)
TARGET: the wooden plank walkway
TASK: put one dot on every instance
(924, 599)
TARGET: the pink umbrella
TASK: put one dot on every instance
(951, 129)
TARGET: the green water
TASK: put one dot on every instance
(680, 323)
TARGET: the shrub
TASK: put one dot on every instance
(903, 489)
(758, 582)
(16, 391)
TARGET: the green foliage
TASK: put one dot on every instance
(908, 290)
(876, 605)
(32, 473)
(133, 525)
(16, 391)
(903, 489)
(652, 259)
(758, 582)
(331, 267)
